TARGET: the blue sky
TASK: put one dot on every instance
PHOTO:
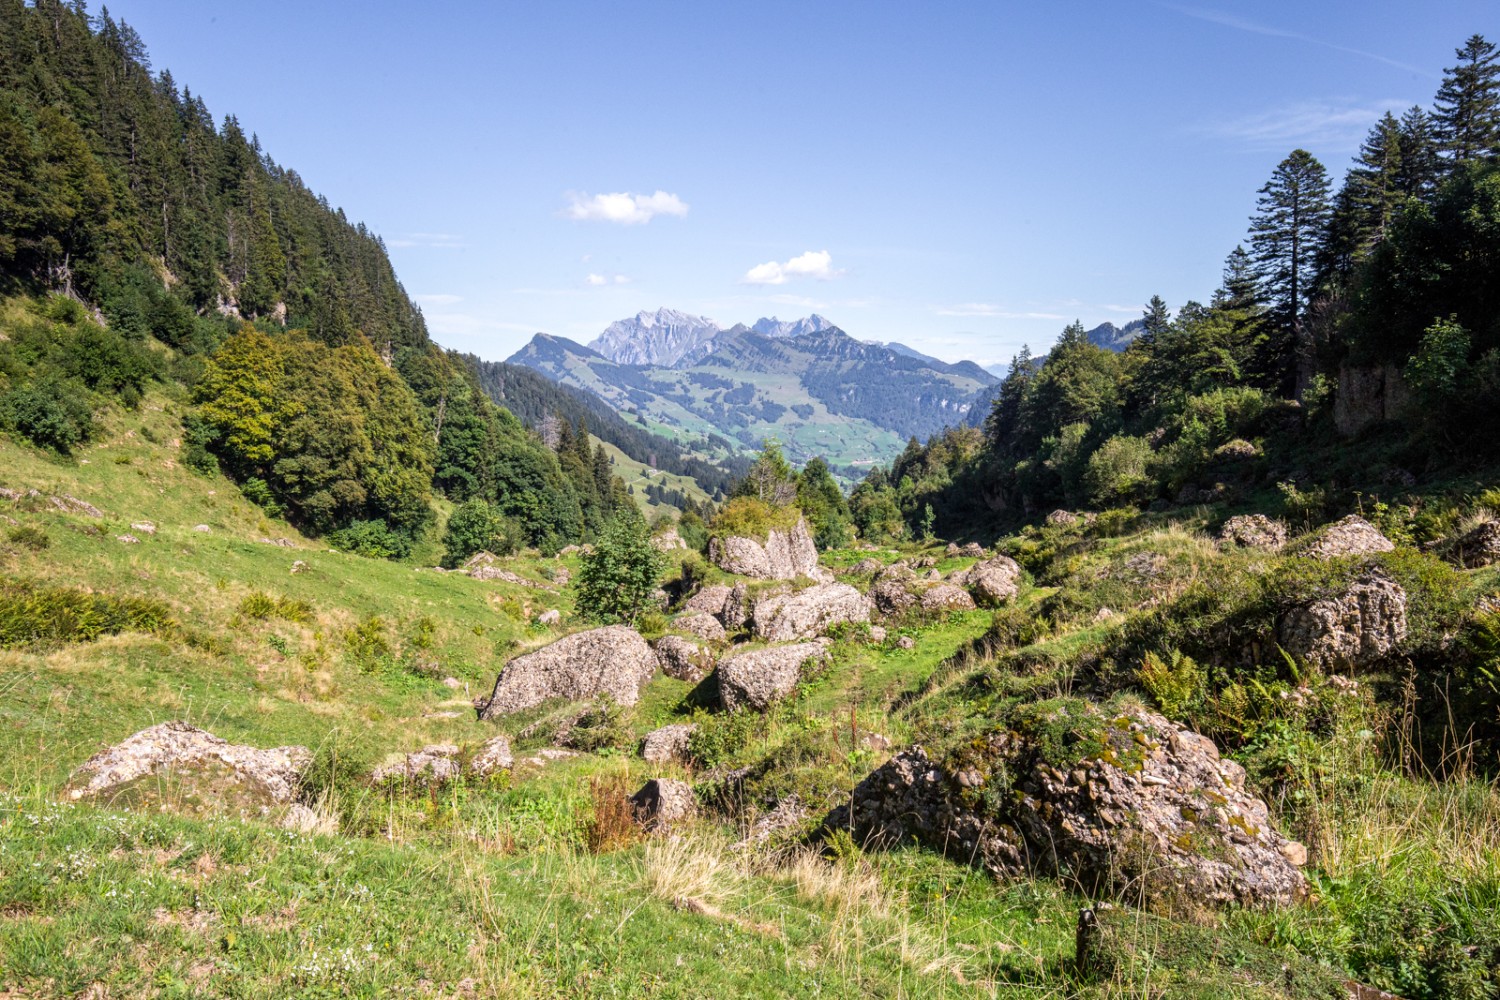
(961, 177)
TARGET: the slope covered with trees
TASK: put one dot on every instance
(1353, 348)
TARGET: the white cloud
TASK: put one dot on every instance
(596, 280)
(429, 241)
(600, 280)
(623, 208)
(1326, 123)
(812, 264)
(437, 300)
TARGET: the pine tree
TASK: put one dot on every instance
(1286, 234)
(1239, 290)
(1420, 165)
(1156, 317)
(1375, 181)
(1467, 110)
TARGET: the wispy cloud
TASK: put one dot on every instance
(600, 280)
(812, 264)
(437, 300)
(432, 241)
(1229, 20)
(990, 311)
(1327, 123)
(622, 208)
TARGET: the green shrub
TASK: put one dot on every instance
(478, 526)
(50, 413)
(1117, 471)
(29, 536)
(260, 607)
(604, 728)
(618, 580)
(368, 643)
(747, 517)
(371, 539)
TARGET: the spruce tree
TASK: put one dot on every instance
(1286, 235)
(1467, 110)
(1156, 317)
(1420, 167)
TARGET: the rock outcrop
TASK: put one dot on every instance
(1252, 531)
(784, 555)
(684, 659)
(178, 765)
(705, 627)
(809, 613)
(1156, 812)
(736, 613)
(892, 598)
(709, 601)
(669, 744)
(865, 567)
(491, 757)
(1477, 547)
(613, 660)
(994, 581)
(946, 597)
(1351, 536)
(668, 541)
(1354, 627)
(431, 765)
(663, 803)
(758, 678)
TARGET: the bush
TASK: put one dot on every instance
(260, 607)
(29, 537)
(371, 539)
(32, 614)
(747, 517)
(618, 580)
(478, 526)
(50, 413)
(1117, 471)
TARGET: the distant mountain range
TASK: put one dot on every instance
(804, 382)
(1116, 338)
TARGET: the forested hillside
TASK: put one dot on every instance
(1352, 350)
(143, 246)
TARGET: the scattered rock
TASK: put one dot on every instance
(784, 555)
(865, 567)
(906, 642)
(452, 683)
(144, 527)
(492, 757)
(668, 541)
(298, 566)
(613, 660)
(283, 543)
(663, 803)
(128, 539)
(432, 765)
(736, 613)
(932, 576)
(1477, 547)
(669, 744)
(877, 633)
(1062, 519)
(952, 551)
(202, 528)
(486, 566)
(1351, 536)
(191, 769)
(892, 598)
(550, 617)
(705, 627)
(900, 570)
(809, 613)
(972, 550)
(1354, 627)
(709, 601)
(946, 597)
(684, 659)
(778, 824)
(994, 581)
(758, 678)
(1252, 531)
(1160, 814)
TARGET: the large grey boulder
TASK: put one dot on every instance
(709, 601)
(662, 803)
(704, 626)
(178, 765)
(946, 597)
(1355, 626)
(759, 678)
(669, 744)
(1252, 531)
(613, 660)
(684, 659)
(1155, 812)
(784, 555)
(1477, 547)
(809, 613)
(993, 581)
(1350, 536)
(892, 598)
(736, 613)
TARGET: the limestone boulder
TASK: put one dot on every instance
(1477, 547)
(613, 661)
(705, 627)
(809, 613)
(431, 765)
(758, 678)
(865, 567)
(994, 581)
(178, 766)
(736, 613)
(491, 757)
(663, 803)
(1354, 627)
(684, 659)
(946, 597)
(1252, 531)
(784, 555)
(1350, 536)
(1155, 813)
(668, 541)
(892, 598)
(709, 601)
(669, 744)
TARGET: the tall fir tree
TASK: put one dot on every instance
(1467, 107)
(1286, 236)
(1421, 167)
(1156, 317)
